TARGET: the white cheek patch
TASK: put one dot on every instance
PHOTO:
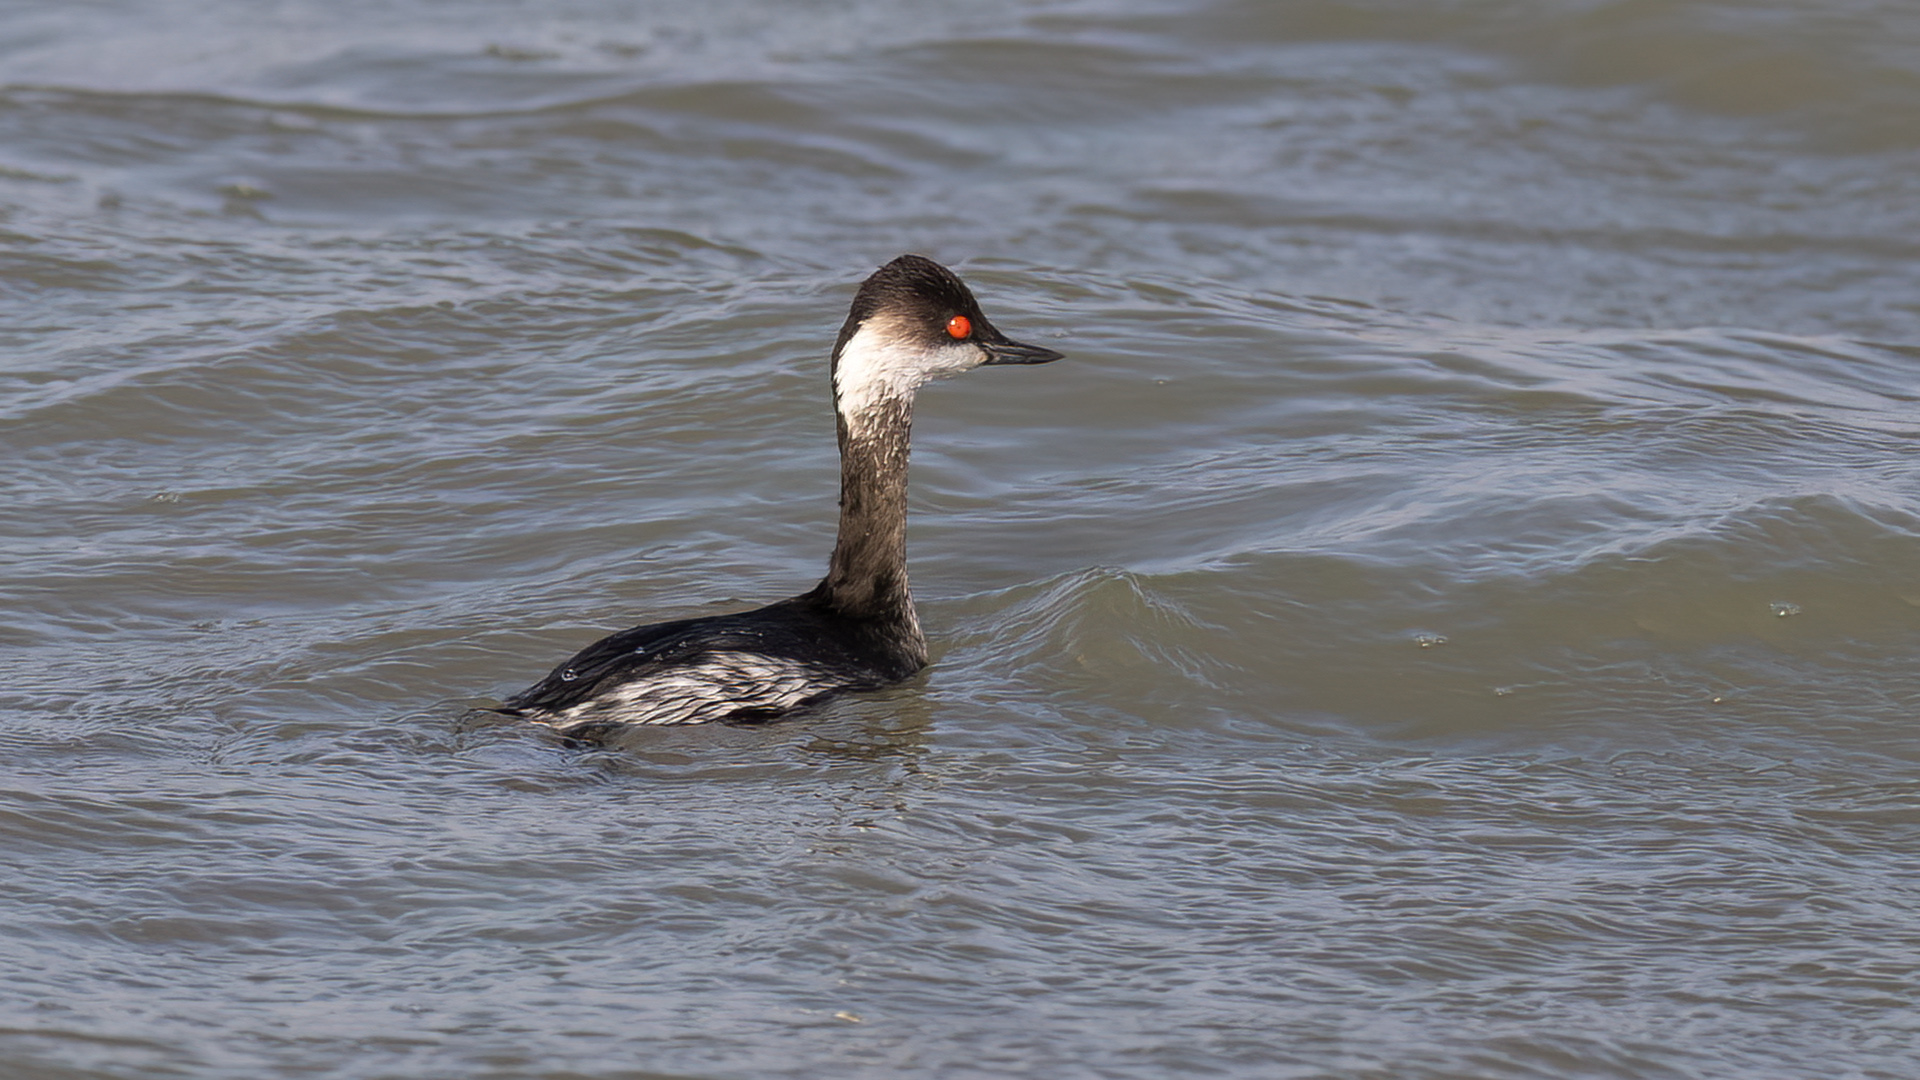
(885, 361)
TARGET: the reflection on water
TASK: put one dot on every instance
(1451, 616)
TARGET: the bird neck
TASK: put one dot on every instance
(867, 576)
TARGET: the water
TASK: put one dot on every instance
(1453, 614)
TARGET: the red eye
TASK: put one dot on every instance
(959, 327)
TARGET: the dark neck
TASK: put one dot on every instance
(867, 577)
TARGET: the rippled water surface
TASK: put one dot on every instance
(1455, 613)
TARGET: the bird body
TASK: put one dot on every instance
(910, 322)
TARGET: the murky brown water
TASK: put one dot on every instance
(1454, 615)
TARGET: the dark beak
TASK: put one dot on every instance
(1002, 351)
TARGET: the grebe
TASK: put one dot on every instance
(912, 321)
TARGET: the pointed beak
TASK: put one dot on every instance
(1003, 351)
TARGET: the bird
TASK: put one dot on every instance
(910, 322)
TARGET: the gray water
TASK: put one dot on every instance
(1454, 614)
